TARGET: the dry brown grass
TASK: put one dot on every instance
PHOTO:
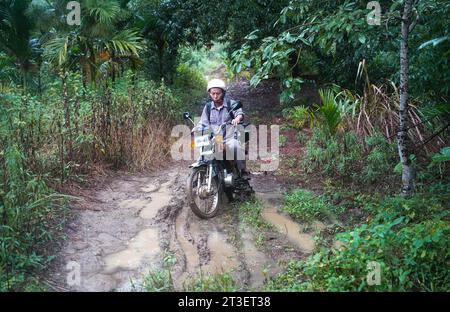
(378, 111)
(143, 148)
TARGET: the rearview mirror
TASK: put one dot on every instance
(186, 115)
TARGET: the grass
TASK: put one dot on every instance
(160, 280)
(250, 214)
(289, 280)
(301, 137)
(219, 282)
(260, 240)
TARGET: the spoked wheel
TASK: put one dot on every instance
(203, 203)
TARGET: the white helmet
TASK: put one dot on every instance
(216, 83)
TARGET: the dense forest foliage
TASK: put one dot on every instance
(108, 91)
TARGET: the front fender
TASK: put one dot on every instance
(200, 163)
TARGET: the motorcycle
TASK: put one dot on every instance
(210, 178)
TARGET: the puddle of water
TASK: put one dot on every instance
(143, 246)
(222, 256)
(160, 199)
(286, 226)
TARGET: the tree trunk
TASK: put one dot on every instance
(161, 60)
(61, 150)
(40, 78)
(5, 184)
(67, 125)
(403, 114)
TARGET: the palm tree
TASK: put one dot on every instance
(97, 47)
(16, 27)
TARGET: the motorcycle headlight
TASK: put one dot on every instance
(219, 139)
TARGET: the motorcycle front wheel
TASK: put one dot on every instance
(204, 204)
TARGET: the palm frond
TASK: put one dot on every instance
(329, 112)
(104, 11)
(56, 50)
(125, 43)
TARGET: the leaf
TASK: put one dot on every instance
(126, 42)
(397, 221)
(289, 38)
(56, 50)
(252, 35)
(267, 53)
(362, 39)
(442, 156)
(433, 42)
(398, 168)
(103, 11)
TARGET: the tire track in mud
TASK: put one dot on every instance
(202, 247)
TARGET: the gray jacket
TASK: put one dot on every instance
(218, 116)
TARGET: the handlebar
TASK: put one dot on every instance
(209, 127)
(219, 127)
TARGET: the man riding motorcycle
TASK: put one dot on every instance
(216, 113)
(215, 174)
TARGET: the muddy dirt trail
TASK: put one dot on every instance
(135, 222)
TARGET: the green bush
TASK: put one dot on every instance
(439, 165)
(31, 216)
(250, 213)
(338, 155)
(297, 116)
(380, 160)
(301, 137)
(291, 279)
(329, 113)
(306, 206)
(343, 155)
(158, 281)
